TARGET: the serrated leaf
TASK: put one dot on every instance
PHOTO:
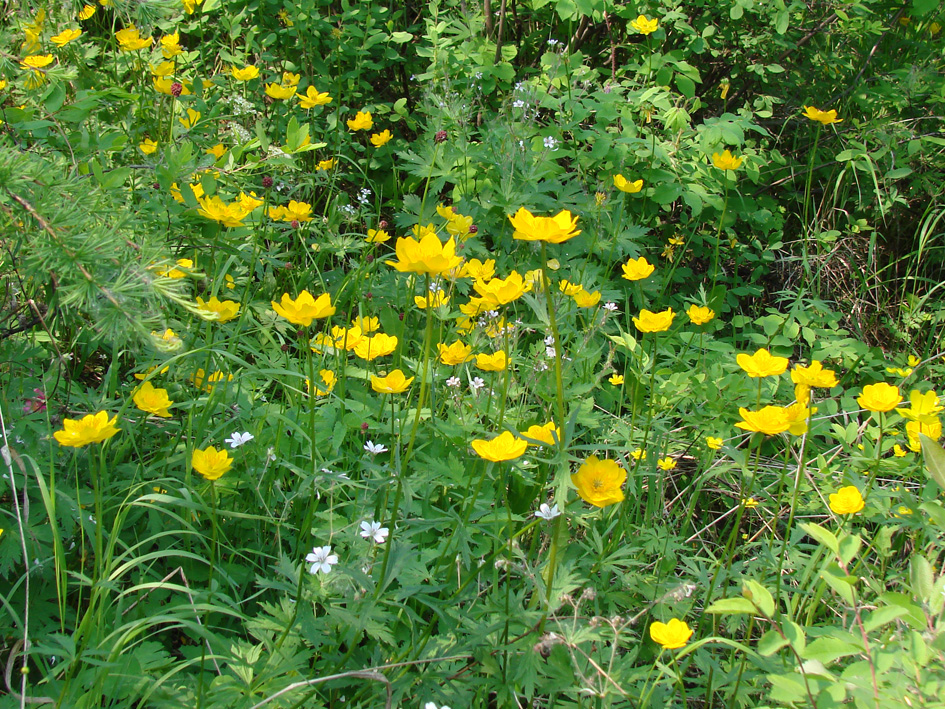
(934, 456)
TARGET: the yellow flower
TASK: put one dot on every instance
(393, 383)
(505, 446)
(616, 379)
(190, 6)
(923, 407)
(750, 502)
(846, 501)
(86, 12)
(377, 236)
(280, 91)
(366, 324)
(498, 291)
(899, 371)
(340, 339)
(36, 61)
(425, 256)
(200, 377)
(290, 79)
(599, 481)
(380, 139)
(247, 73)
(170, 46)
(477, 270)
(93, 428)
(168, 341)
(379, 345)
(645, 26)
(771, 420)
(217, 210)
(584, 299)
(714, 443)
(297, 211)
(496, 362)
(454, 354)
(814, 376)
(305, 308)
(3, 84)
(932, 429)
(552, 230)
(700, 314)
(624, 185)
(329, 379)
(726, 161)
(569, 288)
(129, 40)
(546, 434)
(152, 401)
(802, 394)
(431, 300)
(638, 454)
(762, 364)
(221, 311)
(459, 226)
(899, 451)
(313, 98)
(654, 322)
(217, 151)
(879, 397)
(147, 146)
(672, 635)
(163, 69)
(636, 269)
(796, 416)
(191, 120)
(140, 376)
(666, 463)
(210, 462)
(361, 121)
(822, 117)
(66, 36)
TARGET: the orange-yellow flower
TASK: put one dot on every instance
(381, 139)
(496, 362)
(546, 434)
(505, 446)
(879, 397)
(129, 39)
(152, 401)
(599, 481)
(313, 98)
(247, 73)
(552, 230)
(210, 462)
(636, 269)
(846, 501)
(814, 375)
(428, 255)
(499, 291)
(654, 322)
(305, 308)
(672, 635)
(762, 364)
(454, 354)
(645, 26)
(93, 428)
(771, 420)
(700, 314)
(361, 121)
(726, 161)
(220, 310)
(822, 117)
(393, 383)
(379, 345)
(625, 185)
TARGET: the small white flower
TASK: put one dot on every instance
(611, 307)
(552, 42)
(374, 448)
(550, 352)
(374, 530)
(550, 340)
(550, 143)
(432, 705)
(453, 382)
(477, 384)
(548, 513)
(518, 103)
(271, 454)
(321, 560)
(542, 366)
(238, 439)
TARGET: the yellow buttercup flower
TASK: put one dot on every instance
(93, 428)
(326, 164)
(923, 408)
(152, 401)
(599, 482)
(280, 92)
(190, 6)
(433, 299)
(654, 322)
(66, 36)
(636, 269)
(700, 314)
(616, 379)
(478, 270)
(456, 353)
(713, 442)
(366, 324)
(931, 428)
(191, 120)
(305, 308)
(750, 502)
(217, 210)
(210, 462)
(496, 362)
(503, 447)
(200, 377)
(428, 255)
(86, 12)
(167, 341)
(247, 73)
(672, 635)
(170, 46)
(36, 61)
(879, 397)
(129, 39)
(220, 310)
(645, 26)
(394, 383)
(377, 236)
(380, 139)
(846, 501)
(498, 291)
(290, 79)
(726, 161)
(762, 364)
(552, 230)
(814, 375)
(569, 288)
(770, 420)
(625, 185)
(667, 463)
(585, 299)
(312, 98)
(329, 379)
(899, 451)
(379, 345)
(361, 121)
(547, 434)
(147, 146)
(822, 117)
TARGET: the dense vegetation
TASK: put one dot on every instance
(562, 353)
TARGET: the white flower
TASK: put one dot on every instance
(374, 530)
(238, 439)
(550, 352)
(453, 382)
(374, 448)
(270, 454)
(550, 143)
(432, 705)
(518, 103)
(321, 560)
(477, 384)
(548, 513)
(611, 307)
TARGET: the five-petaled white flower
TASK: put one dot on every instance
(321, 560)
(374, 448)
(238, 439)
(611, 307)
(374, 530)
(453, 382)
(546, 512)
(477, 383)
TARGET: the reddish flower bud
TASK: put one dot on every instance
(440, 136)
(267, 182)
(176, 89)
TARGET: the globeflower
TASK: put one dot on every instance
(66, 36)
(879, 397)
(814, 375)
(654, 322)
(379, 345)
(433, 299)
(129, 40)
(822, 117)
(305, 308)
(280, 92)
(394, 383)
(380, 139)
(36, 61)
(585, 299)
(210, 462)
(645, 26)
(428, 255)
(846, 501)
(496, 362)
(625, 185)
(217, 210)
(553, 230)
(498, 291)
(147, 146)
(503, 447)
(636, 269)
(726, 161)
(546, 434)
(152, 401)
(377, 236)
(762, 364)
(329, 379)
(454, 354)
(771, 420)
(599, 482)
(700, 314)
(672, 635)
(313, 98)
(361, 121)
(220, 310)
(92, 428)
(247, 73)
(923, 408)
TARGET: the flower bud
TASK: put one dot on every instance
(440, 136)
(267, 182)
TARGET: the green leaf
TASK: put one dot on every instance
(686, 86)
(923, 7)
(823, 536)
(731, 606)
(934, 456)
(828, 649)
(843, 585)
(400, 106)
(759, 596)
(882, 616)
(796, 637)
(849, 546)
(401, 37)
(921, 578)
(771, 642)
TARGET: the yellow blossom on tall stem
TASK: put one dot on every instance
(361, 121)
(456, 353)
(770, 420)
(220, 310)
(672, 635)
(496, 362)
(394, 383)
(654, 322)
(762, 364)
(547, 434)
(636, 269)
(379, 345)
(381, 139)
(246, 73)
(599, 482)
(305, 308)
(814, 375)
(822, 117)
(498, 291)
(846, 501)
(428, 256)
(92, 428)
(152, 401)
(66, 36)
(645, 26)
(129, 39)
(700, 314)
(879, 397)
(211, 463)
(280, 92)
(726, 161)
(312, 98)
(625, 185)
(551, 230)
(503, 447)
